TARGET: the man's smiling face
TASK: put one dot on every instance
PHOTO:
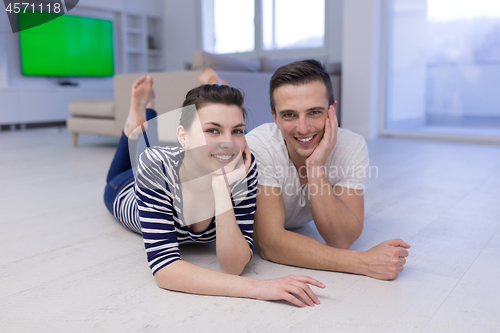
(301, 111)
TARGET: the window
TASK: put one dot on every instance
(233, 26)
(444, 67)
(259, 26)
(293, 24)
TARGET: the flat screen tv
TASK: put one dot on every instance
(67, 46)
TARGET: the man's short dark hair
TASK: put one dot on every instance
(298, 73)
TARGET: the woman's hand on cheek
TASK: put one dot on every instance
(230, 173)
(247, 159)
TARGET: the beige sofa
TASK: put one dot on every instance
(108, 116)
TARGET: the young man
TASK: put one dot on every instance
(309, 169)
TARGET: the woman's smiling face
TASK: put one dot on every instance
(216, 136)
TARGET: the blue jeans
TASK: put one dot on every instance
(120, 172)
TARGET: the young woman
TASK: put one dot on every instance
(199, 192)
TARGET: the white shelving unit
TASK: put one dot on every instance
(143, 43)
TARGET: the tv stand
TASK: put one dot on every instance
(64, 82)
(41, 104)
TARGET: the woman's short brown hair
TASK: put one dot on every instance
(210, 94)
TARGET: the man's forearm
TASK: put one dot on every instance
(290, 248)
(336, 223)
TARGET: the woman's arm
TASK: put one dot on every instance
(234, 234)
(233, 251)
(183, 276)
(154, 201)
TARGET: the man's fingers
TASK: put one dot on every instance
(335, 116)
(405, 245)
(328, 130)
(397, 242)
(403, 252)
(334, 124)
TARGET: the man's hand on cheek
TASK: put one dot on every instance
(327, 143)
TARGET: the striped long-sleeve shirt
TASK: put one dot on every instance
(160, 206)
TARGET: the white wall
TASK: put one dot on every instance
(334, 26)
(5, 30)
(182, 31)
(361, 66)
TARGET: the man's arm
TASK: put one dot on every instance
(338, 212)
(384, 261)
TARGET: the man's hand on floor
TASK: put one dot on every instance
(385, 261)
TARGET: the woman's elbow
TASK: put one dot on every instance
(164, 278)
(161, 281)
(235, 267)
(233, 270)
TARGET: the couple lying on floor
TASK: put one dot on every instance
(222, 185)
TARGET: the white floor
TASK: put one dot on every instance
(67, 266)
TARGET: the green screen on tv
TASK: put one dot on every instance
(66, 46)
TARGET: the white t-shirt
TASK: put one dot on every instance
(346, 166)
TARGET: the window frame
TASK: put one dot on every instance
(207, 30)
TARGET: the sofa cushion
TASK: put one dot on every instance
(202, 60)
(92, 125)
(269, 65)
(95, 108)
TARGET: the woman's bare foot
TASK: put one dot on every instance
(142, 92)
(209, 76)
(151, 103)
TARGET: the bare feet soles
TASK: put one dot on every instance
(142, 97)
(209, 76)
